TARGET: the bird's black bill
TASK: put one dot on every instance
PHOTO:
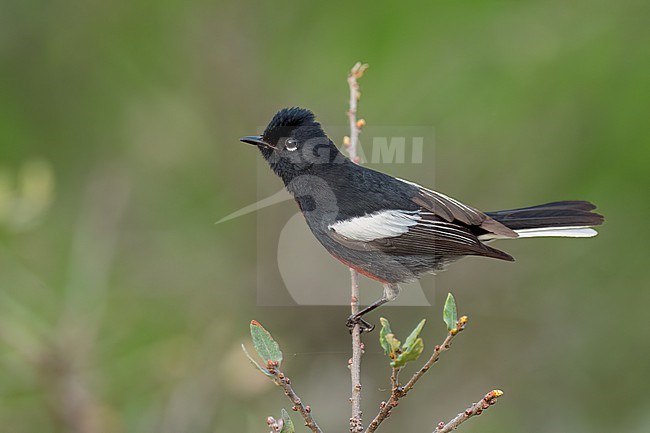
(255, 140)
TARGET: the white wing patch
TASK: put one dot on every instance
(378, 225)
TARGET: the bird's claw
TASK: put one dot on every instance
(357, 320)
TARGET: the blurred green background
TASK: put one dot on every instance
(122, 304)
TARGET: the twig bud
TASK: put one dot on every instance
(276, 425)
(358, 69)
(495, 393)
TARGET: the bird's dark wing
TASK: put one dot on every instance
(411, 233)
(451, 210)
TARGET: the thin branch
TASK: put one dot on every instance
(398, 392)
(280, 379)
(355, 126)
(356, 425)
(386, 407)
(475, 409)
(437, 351)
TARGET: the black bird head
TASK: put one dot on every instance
(293, 143)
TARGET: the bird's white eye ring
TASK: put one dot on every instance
(291, 144)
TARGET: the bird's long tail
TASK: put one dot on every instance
(563, 218)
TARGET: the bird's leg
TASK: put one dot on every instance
(391, 291)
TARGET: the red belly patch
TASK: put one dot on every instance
(363, 272)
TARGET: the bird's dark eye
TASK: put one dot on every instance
(291, 144)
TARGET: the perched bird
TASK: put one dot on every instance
(389, 229)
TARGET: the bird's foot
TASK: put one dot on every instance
(354, 320)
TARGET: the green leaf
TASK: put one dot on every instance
(410, 340)
(267, 348)
(385, 330)
(255, 364)
(449, 313)
(287, 423)
(412, 354)
(393, 344)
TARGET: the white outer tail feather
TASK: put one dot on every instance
(562, 232)
(565, 232)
